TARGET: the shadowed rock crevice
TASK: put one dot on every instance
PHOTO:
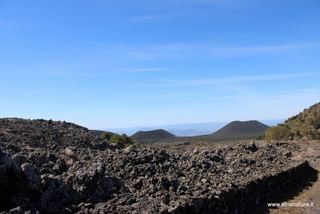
(287, 193)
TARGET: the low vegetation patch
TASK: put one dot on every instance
(277, 133)
(122, 141)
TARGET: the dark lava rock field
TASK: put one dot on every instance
(57, 167)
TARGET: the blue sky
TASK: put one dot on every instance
(106, 64)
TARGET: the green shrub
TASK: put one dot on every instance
(277, 133)
(298, 134)
(105, 136)
(122, 141)
(316, 123)
(200, 143)
(260, 137)
(138, 145)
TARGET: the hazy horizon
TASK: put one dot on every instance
(183, 124)
(192, 129)
(111, 63)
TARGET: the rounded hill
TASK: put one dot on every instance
(239, 128)
(158, 134)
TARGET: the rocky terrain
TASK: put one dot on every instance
(59, 167)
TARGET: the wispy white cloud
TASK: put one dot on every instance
(170, 113)
(142, 51)
(33, 93)
(159, 17)
(310, 90)
(229, 4)
(138, 55)
(79, 112)
(87, 57)
(231, 80)
(258, 50)
(163, 113)
(170, 96)
(139, 69)
(265, 105)
(148, 18)
(208, 50)
(147, 98)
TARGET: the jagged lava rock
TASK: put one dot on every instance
(58, 167)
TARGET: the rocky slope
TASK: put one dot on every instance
(58, 167)
(47, 134)
(306, 124)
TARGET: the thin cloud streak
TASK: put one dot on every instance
(232, 80)
(163, 113)
(79, 112)
(139, 69)
(170, 113)
(160, 17)
(148, 18)
(258, 50)
(191, 50)
(207, 50)
(155, 97)
(273, 105)
(33, 93)
(89, 56)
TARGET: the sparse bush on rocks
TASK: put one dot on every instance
(105, 136)
(138, 144)
(277, 133)
(199, 143)
(122, 141)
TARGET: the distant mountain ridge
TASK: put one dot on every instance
(185, 130)
(191, 129)
(235, 130)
